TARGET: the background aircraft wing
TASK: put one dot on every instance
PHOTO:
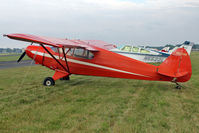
(56, 42)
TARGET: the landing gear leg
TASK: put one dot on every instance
(178, 86)
(65, 78)
(49, 81)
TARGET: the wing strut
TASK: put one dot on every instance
(55, 58)
(66, 60)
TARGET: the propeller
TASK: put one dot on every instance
(23, 54)
(21, 57)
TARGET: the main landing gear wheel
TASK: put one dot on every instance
(49, 81)
(65, 78)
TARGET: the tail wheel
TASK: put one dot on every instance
(49, 81)
(178, 87)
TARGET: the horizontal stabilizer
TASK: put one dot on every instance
(177, 65)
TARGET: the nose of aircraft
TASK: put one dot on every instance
(36, 53)
(31, 50)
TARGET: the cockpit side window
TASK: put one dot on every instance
(66, 50)
(83, 53)
(79, 52)
(76, 52)
(70, 52)
(59, 50)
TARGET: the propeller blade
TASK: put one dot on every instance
(21, 57)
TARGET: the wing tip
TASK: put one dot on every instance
(5, 35)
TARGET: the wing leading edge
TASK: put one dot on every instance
(56, 42)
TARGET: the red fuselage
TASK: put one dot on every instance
(103, 63)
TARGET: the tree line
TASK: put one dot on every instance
(11, 50)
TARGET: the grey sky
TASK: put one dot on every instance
(144, 22)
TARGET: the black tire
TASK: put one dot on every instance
(65, 78)
(49, 81)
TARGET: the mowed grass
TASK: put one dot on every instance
(96, 104)
(13, 58)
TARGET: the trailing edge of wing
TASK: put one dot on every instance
(51, 41)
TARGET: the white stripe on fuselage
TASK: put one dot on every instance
(88, 64)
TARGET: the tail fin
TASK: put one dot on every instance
(177, 65)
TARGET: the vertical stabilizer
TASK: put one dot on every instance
(177, 65)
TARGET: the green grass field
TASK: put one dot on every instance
(96, 104)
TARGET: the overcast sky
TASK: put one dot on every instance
(138, 22)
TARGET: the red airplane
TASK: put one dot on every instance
(93, 58)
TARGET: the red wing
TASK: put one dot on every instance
(52, 41)
(101, 44)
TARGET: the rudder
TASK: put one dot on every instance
(177, 65)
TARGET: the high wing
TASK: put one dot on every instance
(54, 41)
(101, 44)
